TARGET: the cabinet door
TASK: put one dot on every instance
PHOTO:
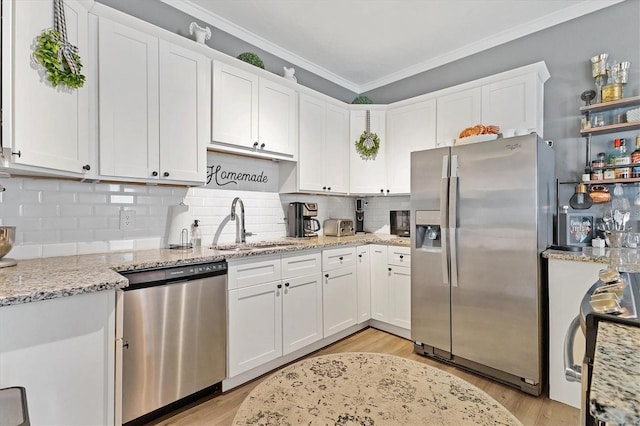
(298, 264)
(247, 272)
(62, 351)
(128, 99)
(312, 152)
(184, 113)
(380, 304)
(363, 275)
(277, 119)
(301, 312)
(336, 150)
(455, 112)
(255, 326)
(399, 256)
(512, 103)
(339, 300)
(400, 296)
(409, 128)
(49, 126)
(367, 176)
(235, 106)
(568, 283)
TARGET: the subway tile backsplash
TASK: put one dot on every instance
(61, 217)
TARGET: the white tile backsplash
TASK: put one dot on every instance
(60, 217)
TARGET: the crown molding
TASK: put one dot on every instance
(572, 12)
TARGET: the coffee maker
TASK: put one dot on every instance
(301, 220)
(360, 204)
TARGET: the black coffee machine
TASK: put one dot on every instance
(301, 220)
(360, 204)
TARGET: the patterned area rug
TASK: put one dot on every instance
(368, 389)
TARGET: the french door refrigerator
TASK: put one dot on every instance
(481, 216)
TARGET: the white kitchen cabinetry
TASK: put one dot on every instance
(62, 351)
(457, 111)
(275, 308)
(44, 128)
(514, 103)
(323, 153)
(340, 289)
(391, 285)
(409, 128)
(154, 111)
(568, 283)
(363, 276)
(252, 114)
(367, 176)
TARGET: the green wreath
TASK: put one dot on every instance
(368, 145)
(46, 53)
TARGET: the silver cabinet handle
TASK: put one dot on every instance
(572, 371)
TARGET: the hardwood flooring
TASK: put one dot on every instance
(530, 410)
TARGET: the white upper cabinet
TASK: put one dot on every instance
(184, 113)
(513, 103)
(44, 127)
(323, 158)
(154, 111)
(409, 128)
(367, 176)
(252, 114)
(456, 112)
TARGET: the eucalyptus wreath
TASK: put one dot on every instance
(368, 145)
(47, 54)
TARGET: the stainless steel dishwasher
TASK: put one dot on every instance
(174, 337)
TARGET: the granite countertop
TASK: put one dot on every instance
(624, 259)
(49, 278)
(615, 382)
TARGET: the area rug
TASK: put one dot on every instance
(368, 389)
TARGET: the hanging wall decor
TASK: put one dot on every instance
(56, 55)
(369, 143)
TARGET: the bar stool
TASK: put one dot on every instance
(13, 407)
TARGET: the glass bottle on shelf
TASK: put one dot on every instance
(614, 153)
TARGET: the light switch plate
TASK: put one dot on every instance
(127, 219)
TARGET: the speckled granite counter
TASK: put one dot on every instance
(49, 278)
(615, 383)
(624, 259)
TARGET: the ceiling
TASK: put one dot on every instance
(365, 44)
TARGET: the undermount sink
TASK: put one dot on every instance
(252, 246)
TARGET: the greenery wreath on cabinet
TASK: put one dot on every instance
(48, 53)
(251, 58)
(368, 145)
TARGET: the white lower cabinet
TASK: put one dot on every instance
(568, 283)
(340, 291)
(363, 277)
(391, 285)
(270, 319)
(62, 351)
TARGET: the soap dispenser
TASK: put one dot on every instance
(196, 237)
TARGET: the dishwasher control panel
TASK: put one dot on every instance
(153, 276)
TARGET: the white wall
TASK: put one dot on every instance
(56, 217)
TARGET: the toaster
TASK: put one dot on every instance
(338, 227)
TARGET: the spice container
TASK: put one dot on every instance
(599, 174)
(622, 172)
(597, 164)
(609, 174)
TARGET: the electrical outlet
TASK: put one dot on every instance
(127, 219)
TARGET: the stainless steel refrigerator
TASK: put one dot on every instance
(481, 215)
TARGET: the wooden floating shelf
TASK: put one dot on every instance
(608, 106)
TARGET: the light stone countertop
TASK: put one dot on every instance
(49, 278)
(624, 259)
(615, 382)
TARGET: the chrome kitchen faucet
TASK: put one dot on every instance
(241, 233)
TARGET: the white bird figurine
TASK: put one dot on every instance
(289, 74)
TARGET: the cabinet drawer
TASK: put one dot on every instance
(338, 258)
(400, 256)
(252, 271)
(296, 265)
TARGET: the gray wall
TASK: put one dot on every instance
(566, 49)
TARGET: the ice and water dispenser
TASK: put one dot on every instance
(428, 230)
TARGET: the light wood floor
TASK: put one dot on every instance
(530, 410)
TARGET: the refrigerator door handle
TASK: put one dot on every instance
(453, 201)
(445, 256)
(572, 371)
(444, 189)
